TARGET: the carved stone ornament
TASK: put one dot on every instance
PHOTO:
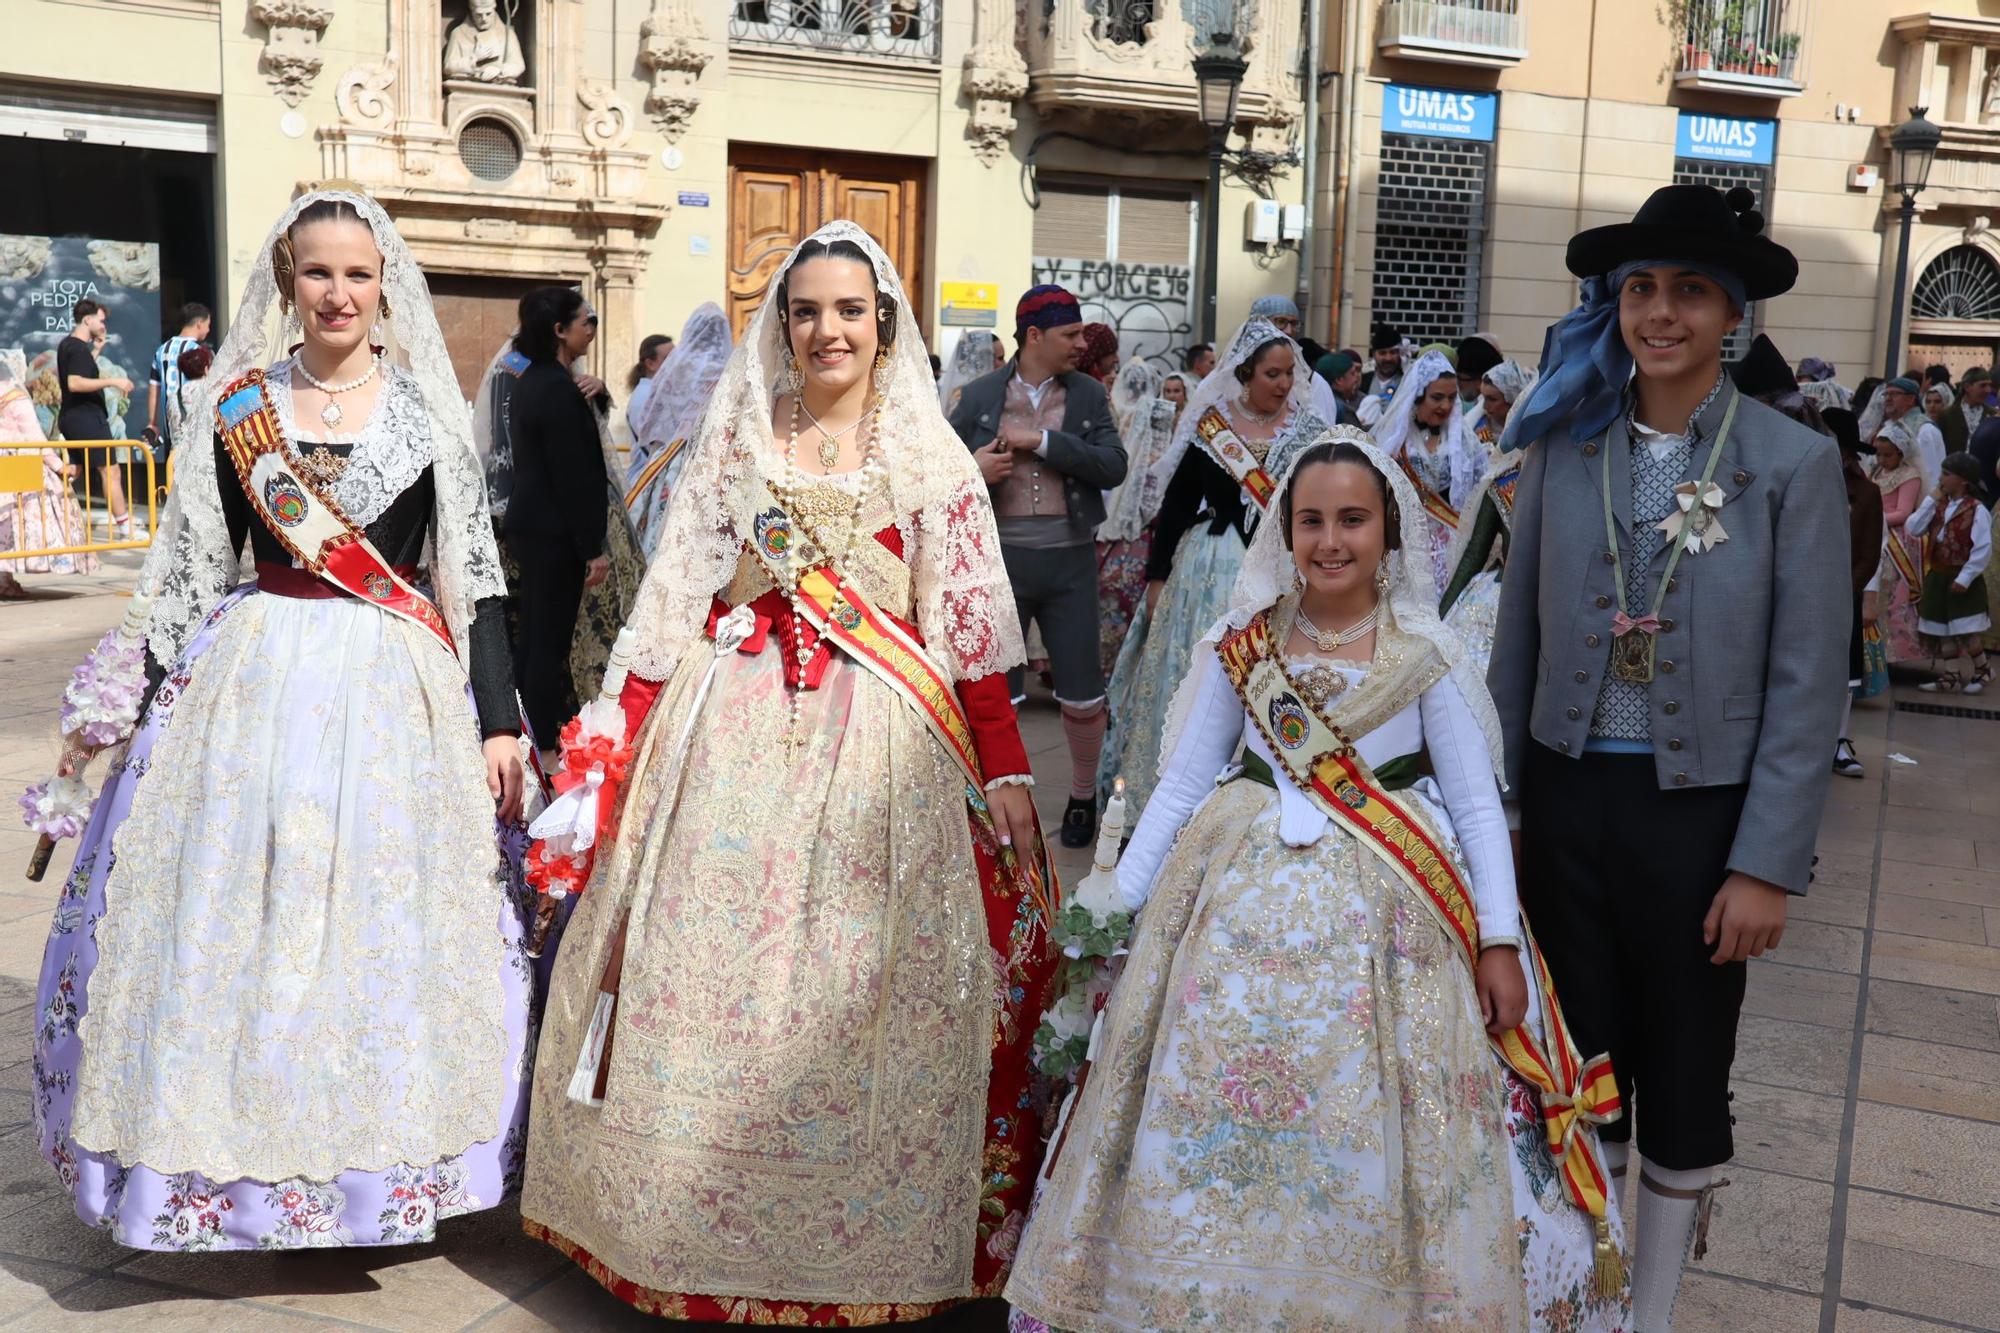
(362, 95)
(673, 46)
(996, 77)
(608, 122)
(291, 58)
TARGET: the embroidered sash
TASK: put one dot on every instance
(306, 522)
(1224, 447)
(1434, 504)
(654, 467)
(1905, 563)
(1322, 762)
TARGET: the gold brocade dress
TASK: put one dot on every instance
(797, 1075)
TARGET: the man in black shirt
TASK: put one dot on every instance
(554, 527)
(83, 417)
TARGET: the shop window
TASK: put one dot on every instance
(1430, 235)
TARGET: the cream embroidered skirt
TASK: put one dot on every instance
(1295, 1121)
(799, 1061)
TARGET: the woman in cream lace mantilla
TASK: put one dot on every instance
(796, 1000)
(1295, 1117)
(284, 1001)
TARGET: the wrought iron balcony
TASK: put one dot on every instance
(1138, 55)
(1753, 48)
(903, 29)
(1488, 33)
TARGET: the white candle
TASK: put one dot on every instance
(1113, 831)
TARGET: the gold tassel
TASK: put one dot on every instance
(1608, 1276)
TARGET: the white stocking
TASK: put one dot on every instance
(1666, 1230)
(1846, 713)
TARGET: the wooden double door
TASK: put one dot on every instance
(780, 196)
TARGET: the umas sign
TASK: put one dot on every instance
(1726, 139)
(1441, 113)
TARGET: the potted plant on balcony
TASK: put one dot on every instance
(1765, 66)
(1786, 44)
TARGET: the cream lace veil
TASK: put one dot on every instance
(1269, 574)
(964, 606)
(683, 386)
(191, 566)
(1146, 428)
(1397, 428)
(1219, 388)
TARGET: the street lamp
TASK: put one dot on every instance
(1218, 76)
(1913, 146)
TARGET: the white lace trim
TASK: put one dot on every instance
(390, 451)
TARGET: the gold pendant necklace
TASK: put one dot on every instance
(829, 441)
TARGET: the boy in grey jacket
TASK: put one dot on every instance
(1668, 668)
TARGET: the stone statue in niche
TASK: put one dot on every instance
(482, 47)
(1991, 110)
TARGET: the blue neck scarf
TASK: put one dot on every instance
(1585, 364)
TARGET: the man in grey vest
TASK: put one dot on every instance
(1045, 441)
(1668, 666)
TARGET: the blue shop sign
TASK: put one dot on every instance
(1442, 113)
(1726, 139)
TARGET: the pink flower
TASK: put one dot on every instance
(1002, 1243)
(1361, 1007)
(1262, 1087)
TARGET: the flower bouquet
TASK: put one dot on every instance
(1091, 931)
(100, 709)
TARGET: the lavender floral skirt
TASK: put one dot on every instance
(330, 1051)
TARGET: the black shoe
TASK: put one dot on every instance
(1079, 824)
(1844, 762)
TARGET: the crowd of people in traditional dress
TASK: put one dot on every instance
(651, 837)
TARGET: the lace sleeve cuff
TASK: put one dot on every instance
(1010, 780)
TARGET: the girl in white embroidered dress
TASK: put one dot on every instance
(1295, 1117)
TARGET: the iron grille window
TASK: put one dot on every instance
(1430, 235)
(489, 150)
(1726, 176)
(906, 28)
(1961, 283)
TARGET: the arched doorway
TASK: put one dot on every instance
(1955, 311)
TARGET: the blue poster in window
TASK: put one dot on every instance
(1442, 113)
(1726, 139)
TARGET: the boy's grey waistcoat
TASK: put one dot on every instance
(1086, 451)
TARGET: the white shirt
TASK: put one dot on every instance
(1930, 453)
(635, 410)
(1323, 401)
(1439, 723)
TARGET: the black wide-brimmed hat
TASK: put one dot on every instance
(1476, 356)
(1383, 336)
(1764, 370)
(1697, 223)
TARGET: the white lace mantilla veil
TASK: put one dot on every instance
(683, 386)
(190, 566)
(971, 358)
(1135, 382)
(1397, 426)
(1145, 429)
(1268, 574)
(964, 604)
(1217, 388)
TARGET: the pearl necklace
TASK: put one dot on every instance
(829, 441)
(331, 413)
(864, 488)
(1261, 418)
(1327, 640)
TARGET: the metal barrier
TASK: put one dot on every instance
(31, 473)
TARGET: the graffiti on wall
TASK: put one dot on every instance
(1151, 306)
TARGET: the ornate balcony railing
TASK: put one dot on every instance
(1492, 33)
(1753, 47)
(1138, 55)
(906, 29)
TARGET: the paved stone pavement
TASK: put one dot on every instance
(1866, 1194)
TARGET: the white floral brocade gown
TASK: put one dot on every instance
(1295, 1122)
